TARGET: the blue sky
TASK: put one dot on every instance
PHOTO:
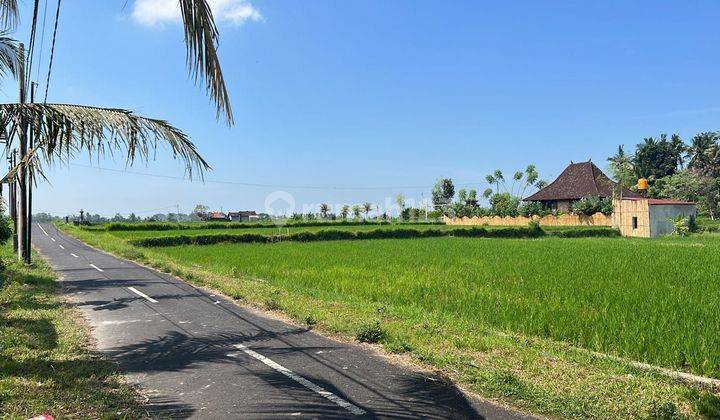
(359, 96)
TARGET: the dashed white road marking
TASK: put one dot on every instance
(43, 230)
(73, 255)
(143, 295)
(96, 267)
(52, 239)
(302, 381)
(61, 247)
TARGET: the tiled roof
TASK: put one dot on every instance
(577, 181)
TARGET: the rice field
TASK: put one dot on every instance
(655, 301)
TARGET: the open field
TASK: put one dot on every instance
(502, 316)
(46, 359)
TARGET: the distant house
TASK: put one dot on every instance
(216, 216)
(649, 217)
(577, 181)
(243, 216)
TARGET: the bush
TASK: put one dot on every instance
(533, 208)
(535, 229)
(591, 205)
(504, 205)
(680, 226)
(370, 333)
(5, 229)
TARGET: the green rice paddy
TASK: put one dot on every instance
(650, 300)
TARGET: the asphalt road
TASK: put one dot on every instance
(199, 355)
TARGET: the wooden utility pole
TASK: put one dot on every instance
(23, 249)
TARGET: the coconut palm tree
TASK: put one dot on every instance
(344, 211)
(357, 210)
(62, 130)
(324, 210)
(201, 43)
(367, 208)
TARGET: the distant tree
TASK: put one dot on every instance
(367, 208)
(462, 196)
(655, 158)
(324, 210)
(680, 148)
(472, 199)
(133, 218)
(118, 218)
(201, 211)
(443, 192)
(357, 210)
(344, 211)
(622, 168)
(504, 204)
(704, 154)
(400, 201)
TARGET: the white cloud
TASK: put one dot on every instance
(158, 12)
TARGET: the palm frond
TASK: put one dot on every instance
(201, 41)
(62, 131)
(9, 12)
(10, 55)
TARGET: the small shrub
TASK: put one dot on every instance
(398, 347)
(680, 226)
(708, 405)
(310, 321)
(591, 205)
(272, 304)
(535, 229)
(370, 333)
(665, 410)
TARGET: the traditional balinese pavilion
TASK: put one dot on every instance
(577, 181)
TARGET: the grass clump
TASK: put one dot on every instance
(370, 333)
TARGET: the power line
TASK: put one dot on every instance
(31, 46)
(260, 185)
(52, 50)
(42, 42)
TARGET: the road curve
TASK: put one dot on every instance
(202, 356)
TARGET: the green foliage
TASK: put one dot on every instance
(370, 333)
(591, 205)
(586, 232)
(337, 235)
(443, 192)
(532, 208)
(151, 226)
(504, 205)
(656, 158)
(535, 229)
(622, 168)
(5, 229)
(681, 226)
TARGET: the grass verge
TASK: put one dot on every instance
(532, 373)
(46, 360)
